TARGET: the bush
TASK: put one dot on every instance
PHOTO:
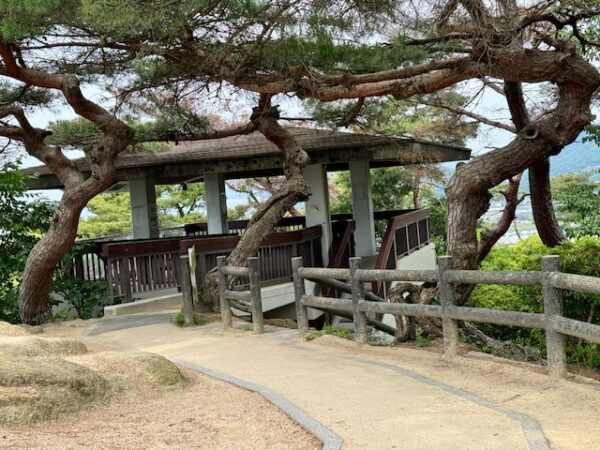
(578, 256)
(199, 319)
(23, 219)
(87, 298)
(330, 330)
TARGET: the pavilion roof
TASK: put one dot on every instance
(252, 155)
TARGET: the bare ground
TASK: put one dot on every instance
(206, 414)
(395, 411)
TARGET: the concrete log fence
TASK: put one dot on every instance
(550, 279)
(251, 298)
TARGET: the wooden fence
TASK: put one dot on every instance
(247, 300)
(136, 267)
(552, 281)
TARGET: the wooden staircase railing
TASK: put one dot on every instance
(405, 234)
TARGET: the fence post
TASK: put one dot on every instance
(126, 280)
(255, 298)
(226, 315)
(358, 295)
(553, 306)
(446, 292)
(299, 291)
(186, 290)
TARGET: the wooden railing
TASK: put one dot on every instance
(552, 281)
(86, 262)
(136, 267)
(247, 300)
(287, 223)
(133, 267)
(405, 234)
(274, 254)
(239, 226)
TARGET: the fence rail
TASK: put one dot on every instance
(249, 300)
(553, 282)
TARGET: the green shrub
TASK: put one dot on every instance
(198, 319)
(331, 330)
(87, 298)
(24, 217)
(579, 256)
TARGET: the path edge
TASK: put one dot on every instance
(328, 438)
(532, 432)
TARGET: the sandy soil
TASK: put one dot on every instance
(318, 375)
(563, 408)
(205, 414)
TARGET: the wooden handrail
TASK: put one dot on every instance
(390, 244)
(551, 320)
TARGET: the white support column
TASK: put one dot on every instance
(317, 206)
(216, 203)
(362, 209)
(143, 208)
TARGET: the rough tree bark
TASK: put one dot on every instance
(541, 204)
(292, 190)
(539, 173)
(34, 308)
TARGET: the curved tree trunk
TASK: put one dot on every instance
(34, 308)
(468, 190)
(492, 235)
(541, 204)
(291, 191)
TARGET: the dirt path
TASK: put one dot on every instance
(388, 398)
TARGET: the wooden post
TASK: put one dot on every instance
(553, 306)
(446, 292)
(186, 290)
(299, 292)
(226, 315)
(255, 297)
(126, 280)
(358, 295)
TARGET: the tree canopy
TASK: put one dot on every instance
(160, 65)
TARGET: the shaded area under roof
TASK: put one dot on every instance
(252, 156)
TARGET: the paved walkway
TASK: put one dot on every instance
(370, 397)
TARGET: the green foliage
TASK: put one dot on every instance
(23, 219)
(391, 189)
(330, 330)
(578, 256)
(422, 340)
(26, 97)
(110, 212)
(578, 198)
(179, 204)
(28, 17)
(438, 222)
(320, 49)
(199, 319)
(391, 117)
(81, 133)
(87, 298)
(122, 19)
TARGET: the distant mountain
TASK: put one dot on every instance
(576, 157)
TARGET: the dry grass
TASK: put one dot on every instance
(206, 414)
